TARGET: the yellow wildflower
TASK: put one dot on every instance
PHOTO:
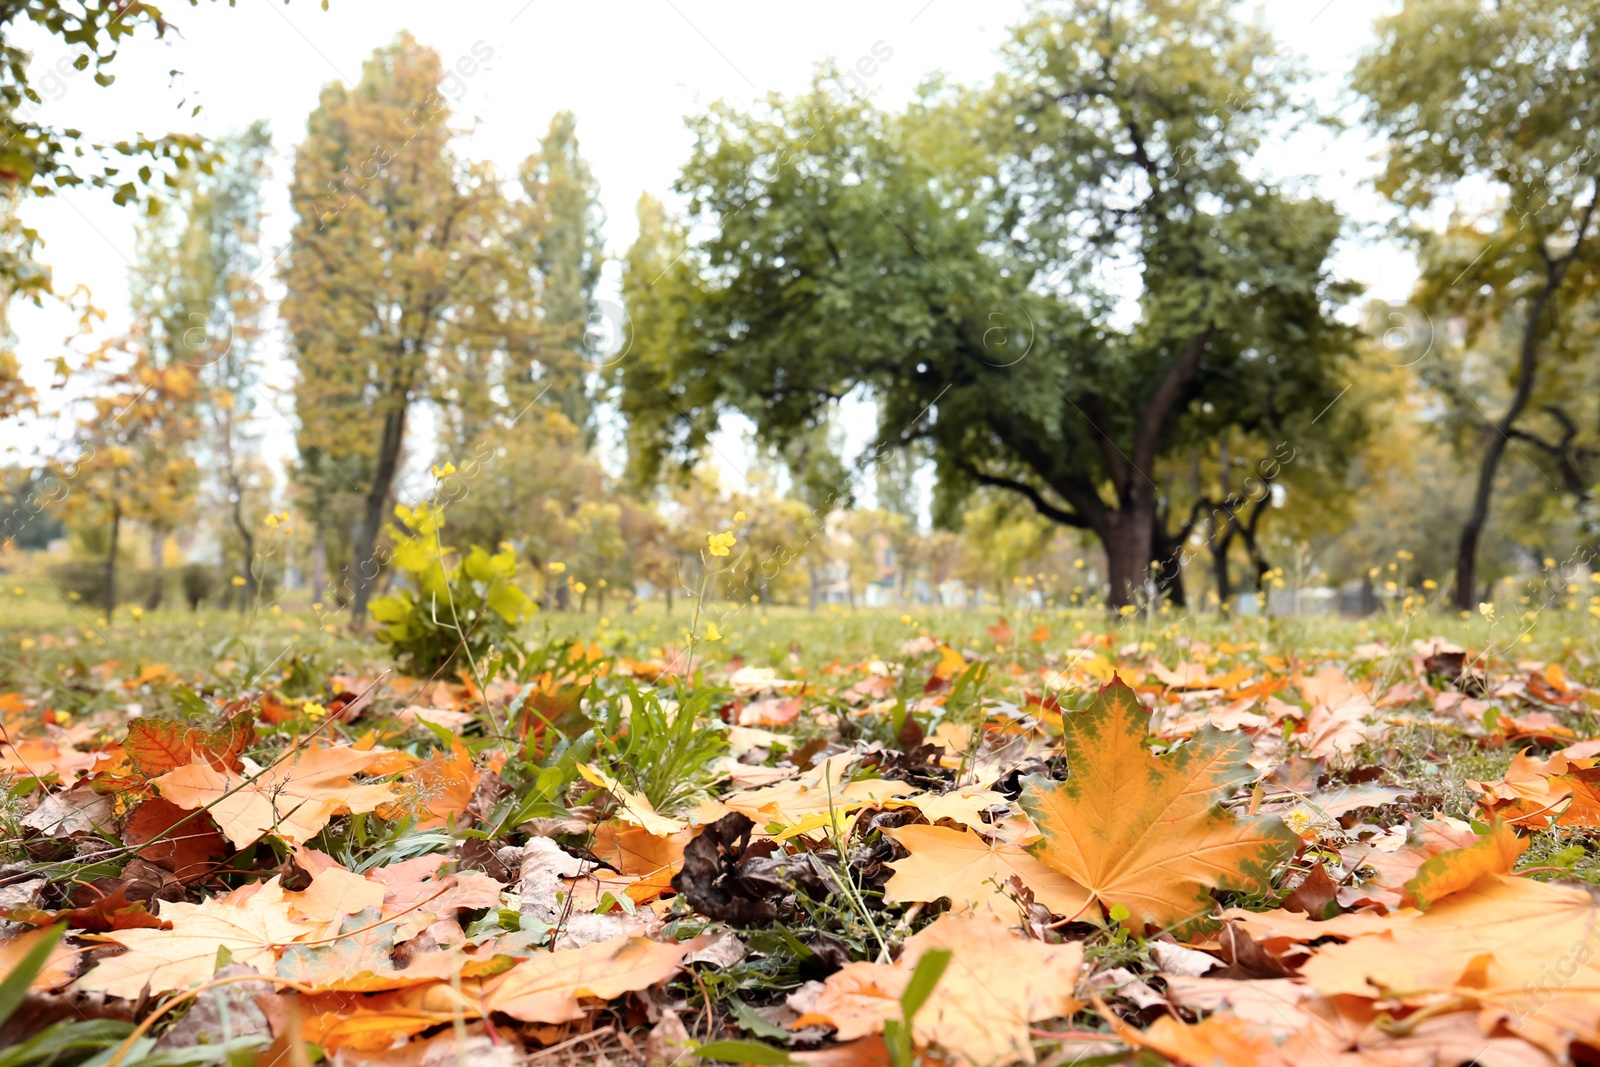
(445, 471)
(238, 580)
(712, 633)
(719, 543)
(557, 568)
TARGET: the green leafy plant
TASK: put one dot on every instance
(458, 604)
(665, 751)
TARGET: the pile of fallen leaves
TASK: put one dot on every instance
(978, 856)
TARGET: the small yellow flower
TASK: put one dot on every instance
(712, 633)
(1429, 583)
(579, 588)
(272, 521)
(905, 620)
(17, 591)
(445, 471)
(738, 516)
(72, 594)
(1486, 609)
(1077, 564)
(137, 613)
(557, 568)
(28, 642)
(315, 711)
(719, 543)
(238, 580)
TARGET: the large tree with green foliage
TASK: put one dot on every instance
(1054, 281)
(403, 288)
(563, 235)
(198, 290)
(38, 159)
(1504, 98)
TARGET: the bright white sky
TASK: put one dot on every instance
(630, 71)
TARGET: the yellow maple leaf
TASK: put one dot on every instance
(250, 923)
(632, 807)
(997, 982)
(972, 872)
(293, 799)
(1458, 868)
(1147, 831)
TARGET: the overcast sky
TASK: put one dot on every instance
(630, 71)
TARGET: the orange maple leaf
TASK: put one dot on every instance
(971, 871)
(1146, 831)
(250, 923)
(1457, 869)
(997, 982)
(292, 799)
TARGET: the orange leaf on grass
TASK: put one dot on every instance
(1147, 831)
(293, 799)
(1449, 872)
(156, 746)
(250, 923)
(997, 982)
(971, 871)
(187, 843)
(546, 988)
(58, 967)
(436, 789)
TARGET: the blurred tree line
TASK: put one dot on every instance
(1109, 359)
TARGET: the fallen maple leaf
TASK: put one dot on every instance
(546, 988)
(157, 746)
(997, 982)
(1560, 790)
(187, 843)
(437, 789)
(1451, 871)
(360, 958)
(250, 923)
(1520, 948)
(972, 871)
(1146, 831)
(292, 799)
(631, 806)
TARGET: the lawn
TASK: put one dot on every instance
(850, 836)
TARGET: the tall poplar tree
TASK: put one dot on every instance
(400, 285)
(564, 232)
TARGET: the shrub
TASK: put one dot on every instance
(86, 578)
(457, 604)
(199, 584)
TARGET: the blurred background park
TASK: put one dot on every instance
(1181, 309)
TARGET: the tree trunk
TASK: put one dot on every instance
(1219, 568)
(1495, 439)
(811, 570)
(1127, 545)
(667, 589)
(319, 564)
(363, 561)
(110, 602)
(248, 540)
